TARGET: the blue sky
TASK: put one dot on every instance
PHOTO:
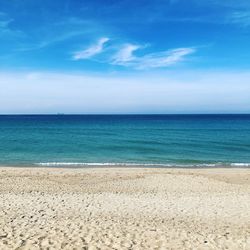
(161, 56)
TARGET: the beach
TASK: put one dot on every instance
(124, 208)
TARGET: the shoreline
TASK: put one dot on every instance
(129, 166)
(124, 208)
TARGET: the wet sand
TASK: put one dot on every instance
(124, 208)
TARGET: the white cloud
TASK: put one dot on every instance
(172, 92)
(91, 51)
(125, 54)
(164, 59)
(125, 57)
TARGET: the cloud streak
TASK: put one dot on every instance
(63, 31)
(241, 18)
(125, 57)
(5, 30)
(91, 51)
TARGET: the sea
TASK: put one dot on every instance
(125, 140)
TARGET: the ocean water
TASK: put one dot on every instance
(151, 140)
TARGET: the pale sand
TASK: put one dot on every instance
(124, 208)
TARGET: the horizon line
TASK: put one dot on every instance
(103, 114)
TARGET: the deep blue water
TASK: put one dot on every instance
(126, 139)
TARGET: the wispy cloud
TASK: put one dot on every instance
(60, 32)
(5, 30)
(228, 3)
(228, 12)
(164, 59)
(91, 51)
(49, 41)
(125, 57)
(5, 23)
(240, 17)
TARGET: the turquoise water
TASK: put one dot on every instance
(161, 140)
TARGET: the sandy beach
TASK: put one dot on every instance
(118, 208)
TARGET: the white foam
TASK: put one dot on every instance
(218, 164)
(98, 164)
(240, 164)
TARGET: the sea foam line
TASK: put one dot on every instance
(98, 164)
(219, 164)
(240, 164)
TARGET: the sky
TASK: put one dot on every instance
(124, 56)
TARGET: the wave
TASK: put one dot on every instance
(79, 164)
(240, 164)
(98, 164)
